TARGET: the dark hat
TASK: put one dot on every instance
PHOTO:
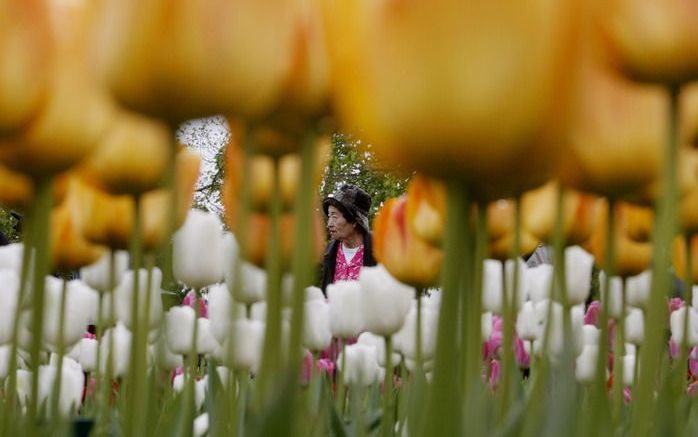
(353, 202)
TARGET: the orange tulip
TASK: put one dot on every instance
(181, 59)
(426, 208)
(25, 47)
(689, 115)
(255, 241)
(17, 190)
(680, 257)
(639, 221)
(539, 214)
(501, 231)
(408, 258)
(456, 90)
(108, 219)
(112, 166)
(75, 110)
(69, 249)
(654, 41)
(261, 178)
(631, 257)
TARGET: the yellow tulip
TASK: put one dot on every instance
(408, 258)
(24, 58)
(689, 115)
(539, 214)
(679, 249)
(17, 190)
(639, 221)
(501, 231)
(650, 40)
(75, 110)
(454, 89)
(108, 220)
(426, 208)
(112, 166)
(70, 250)
(631, 257)
(179, 59)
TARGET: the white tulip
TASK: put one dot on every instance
(411, 365)
(405, 340)
(378, 342)
(590, 335)
(630, 349)
(200, 389)
(231, 256)
(346, 317)
(72, 383)
(695, 296)
(433, 300)
(253, 285)
(9, 303)
(361, 365)
(97, 275)
(317, 334)
(206, 342)
(677, 321)
(579, 267)
(179, 328)
(201, 425)
(197, 250)
(629, 369)
(385, 301)
(259, 312)
(615, 297)
(11, 257)
(585, 370)
(5, 353)
(556, 340)
(486, 325)
(638, 289)
(123, 297)
(220, 305)
(24, 386)
(76, 315)
(314, 293)
(121, 350)
(540, 279)
(164, 358)
(635, 326)
(526, 322)
(178, 383)
(243, 351)
(85, 353)
(492, 286)
(522, 282)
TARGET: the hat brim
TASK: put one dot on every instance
(348, 211)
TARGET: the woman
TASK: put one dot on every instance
(351, 245)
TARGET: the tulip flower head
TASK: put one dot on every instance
(124, 295)
(72, 383)
(96, 275)
(346, 308)
(361, 365)
(677, 321)
(385, 301)
(579, 266)
(198, 250)
(317, 334)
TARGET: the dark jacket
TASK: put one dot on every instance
(330, 258)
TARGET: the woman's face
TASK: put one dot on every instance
(340, 229)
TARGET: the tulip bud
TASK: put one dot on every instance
(539, 280)
(629, 363)
(198, 250)
(677, 321)
(313, 293)
(200, 425)
(637, 289)
(346, 308)
(121, 349)
(378, 342)
(385, 301)
(615, 297)
(404, 255)
(205, 340)
(579, 266)
(521, 282)
(124, 295)
(200, 389)
(635, 326)
(111, 166)
(316, 330)
(96, 275)
(220, 304)
(9, 304)
(85, 353)
(245, 352)
(72, 383)
(590, 335)
(405, 341)
(179, 322)
(76, 312)
(165, 359)
(526, 322)
(585, 370)
(492, 286)
(361, 365)
(253, 284)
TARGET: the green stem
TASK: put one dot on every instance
(341, 386)
(474, 362)
(11, 394)
(444, 404)
(106, 383)
(418, 330)
(272, 339)
(41, 213)
(388, 420)
(55, 395)
(663, 235)
(618, 370)
(136, 415)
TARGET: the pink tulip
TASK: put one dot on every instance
(495, 374)
(627, 395)
(673, 349)
(89, 335)
(693, 361)
(189, 301)
(326, 366)
(675, 303)
(691, 389)
(523, 359)
(592, 315)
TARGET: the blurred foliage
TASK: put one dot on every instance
(353, 162)
(9, 226)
